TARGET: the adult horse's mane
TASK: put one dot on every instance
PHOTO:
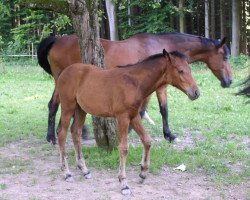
(155, 56)
(206, 42)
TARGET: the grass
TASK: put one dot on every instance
(218, 123)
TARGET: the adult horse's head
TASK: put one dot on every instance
(218, 60)
(179, 74)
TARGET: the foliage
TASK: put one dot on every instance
(20, 27)
(146, 16)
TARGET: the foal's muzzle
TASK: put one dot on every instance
(193, 94)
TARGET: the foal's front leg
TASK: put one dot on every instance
(123, 123)
(163, 104)
(146, 140)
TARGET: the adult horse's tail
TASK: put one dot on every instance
(246, 90)
(42, 53)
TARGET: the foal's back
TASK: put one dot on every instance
(92, 88)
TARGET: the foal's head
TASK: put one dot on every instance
(218, 60)
(179, 74)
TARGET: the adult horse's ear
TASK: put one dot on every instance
(223, 41)
(166, 54)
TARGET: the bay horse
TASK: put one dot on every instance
(118, 93)
(64, 51)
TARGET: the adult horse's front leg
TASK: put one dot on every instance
(146, 140)
(123, 123)
(163, 104)
(53, 107)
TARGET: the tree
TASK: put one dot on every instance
(207, 30)
(222, 19)
(235, 49)
(212, 19)
(111, 11)
(85, 22)
(182, 16)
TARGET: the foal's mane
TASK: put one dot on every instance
(155, 56)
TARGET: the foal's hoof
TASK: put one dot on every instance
(69, 178)
(87, 175)
(126, 191)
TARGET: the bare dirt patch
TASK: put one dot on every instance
(39, 177)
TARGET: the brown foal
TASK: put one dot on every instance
(118, 93)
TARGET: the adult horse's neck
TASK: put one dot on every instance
(192, 46)
(149, 74)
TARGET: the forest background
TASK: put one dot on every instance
(24, 23)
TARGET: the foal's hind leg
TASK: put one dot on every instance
(53, 107)
(123, 123)
(146, 140)
(62, 134)
(163, 104)
(76, 131)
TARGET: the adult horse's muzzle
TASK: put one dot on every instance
(225, 83)
(193, 94)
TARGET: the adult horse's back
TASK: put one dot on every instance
(65, 51)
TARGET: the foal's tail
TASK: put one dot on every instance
(42, 53)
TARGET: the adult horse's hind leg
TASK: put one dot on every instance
(62, 134)
(163, 104)
(146, 140)
(76, 131)
(53, 107)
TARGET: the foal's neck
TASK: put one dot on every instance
(150, 75)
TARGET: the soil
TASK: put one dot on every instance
(40, 178)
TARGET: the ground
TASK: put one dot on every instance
(31, 170)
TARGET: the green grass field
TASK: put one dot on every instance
(217, 124)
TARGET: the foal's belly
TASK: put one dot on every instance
(95, 103)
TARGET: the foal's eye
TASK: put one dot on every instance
(180, 71)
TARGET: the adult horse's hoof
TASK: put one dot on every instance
(87, 175)
(69, 178)
(51, 139)
(126, 191)
(170, 137)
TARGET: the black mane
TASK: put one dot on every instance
(206, 42)
(156, 56)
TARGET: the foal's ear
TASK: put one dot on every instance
(223, 41)
(166, 54)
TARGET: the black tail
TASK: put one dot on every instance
(246, 90)
(42, 53)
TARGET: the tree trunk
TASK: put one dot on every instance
(111, 11)
(207, 19)
(222, 19)
(129, 13)
(243, 25)
(182, 16)
(235, 28)
(85, 22)
(212, 19)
